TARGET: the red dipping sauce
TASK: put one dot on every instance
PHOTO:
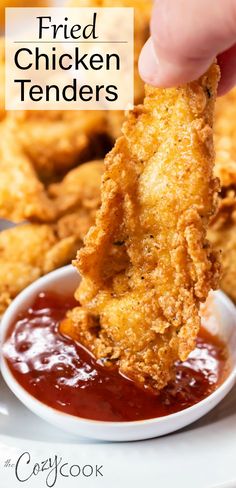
(63, 375)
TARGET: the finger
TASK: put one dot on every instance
(185, 38)
(164, 73)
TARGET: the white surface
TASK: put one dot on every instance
(67, 279)
(200, 456)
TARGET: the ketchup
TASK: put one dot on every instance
(62, 374)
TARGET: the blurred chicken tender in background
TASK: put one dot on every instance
(30, 250)
(56, 141)
(2, 78)
(223, 227)
(27, 252)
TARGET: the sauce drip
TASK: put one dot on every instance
(63, 375)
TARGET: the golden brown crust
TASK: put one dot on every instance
(147, 265)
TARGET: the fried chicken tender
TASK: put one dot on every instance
(147, 265)
(222, 232)
(80, 186)
(27, 252)
(77, 199)
(222, 235)
(31, 250)
(56, 141)
(225, 139)
(2, 79)
(22, 195)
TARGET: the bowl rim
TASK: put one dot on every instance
(6, 372)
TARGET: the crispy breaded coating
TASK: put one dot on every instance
(27, 252)
(222, 235)
(22, 195)
(147, 265)
(56, 141)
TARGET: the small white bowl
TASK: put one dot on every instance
(223, 324)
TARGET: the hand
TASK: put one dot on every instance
(186, 36)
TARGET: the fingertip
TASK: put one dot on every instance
(157, 72)
(148, 64)
(163, 74)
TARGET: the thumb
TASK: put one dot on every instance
(186, 35)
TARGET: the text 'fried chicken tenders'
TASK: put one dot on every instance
(147, 265)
